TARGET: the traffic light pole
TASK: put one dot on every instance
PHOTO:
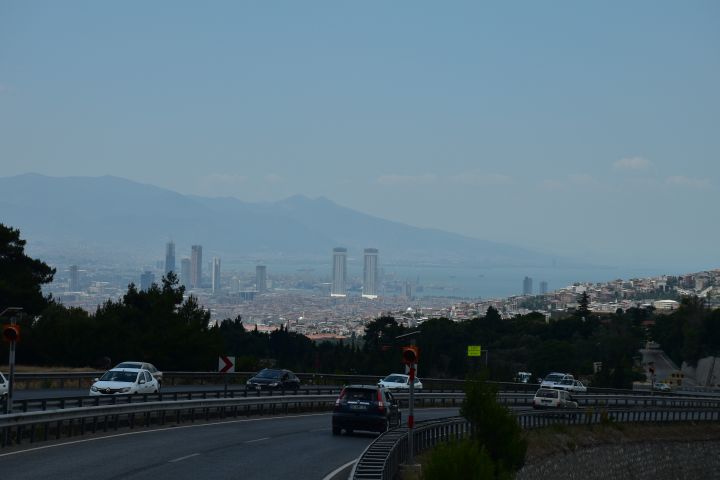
(411, 415)
(11, 360)
(410, 358)
(11, 378)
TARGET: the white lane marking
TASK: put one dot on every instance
(183, 458)
(257, 440)
(330, 475)
(86, 440)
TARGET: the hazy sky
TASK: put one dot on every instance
(568, 127)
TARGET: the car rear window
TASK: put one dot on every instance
(396, 379)
(547, 394)
(553, 378)
(360, 395)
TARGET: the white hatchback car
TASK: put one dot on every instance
(399, 381)
(3, 388)
(124, 382)
(553, 398)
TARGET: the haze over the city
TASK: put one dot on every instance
(587, 131)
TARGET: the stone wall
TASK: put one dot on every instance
(656, 460)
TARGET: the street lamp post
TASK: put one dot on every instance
(11, 360)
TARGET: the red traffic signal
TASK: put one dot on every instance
(11, 333)
(410, 354)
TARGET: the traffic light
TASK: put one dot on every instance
(11, 333)
(410, 355)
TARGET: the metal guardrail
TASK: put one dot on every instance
(79, 401)
(84, 379)
(510, 399)
(381, 460)
(41, 425)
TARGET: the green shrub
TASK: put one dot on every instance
(494, 428)
(463, 460)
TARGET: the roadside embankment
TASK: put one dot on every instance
(655, 452)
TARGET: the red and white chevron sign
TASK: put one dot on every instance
(226, 364)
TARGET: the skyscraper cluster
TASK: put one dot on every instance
(370, 273)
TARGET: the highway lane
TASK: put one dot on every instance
(297, 446)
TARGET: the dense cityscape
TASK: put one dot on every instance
(337, 306)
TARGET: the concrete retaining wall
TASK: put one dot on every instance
(659, 460)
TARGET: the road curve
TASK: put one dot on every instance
(295, 446)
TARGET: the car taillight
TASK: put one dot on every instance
(380, 404)
(341, 397)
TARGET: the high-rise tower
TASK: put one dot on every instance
(261, 278)
(74, 278)
(370, 273)
(196, 266)
(169, 257)
(215, 275)
(339, 272)
(527, 286)
(147, 278)
(185, 267)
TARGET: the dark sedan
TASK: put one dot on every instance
(365, 407)
(274, 379)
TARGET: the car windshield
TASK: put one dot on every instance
(556, 377)
(267, 373)
(359, 395)
(547, 394)
(396, 379)
(119, 376)
(129, 365)
(567, 381)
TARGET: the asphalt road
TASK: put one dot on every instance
(291, 447)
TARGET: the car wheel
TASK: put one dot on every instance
(336, 430)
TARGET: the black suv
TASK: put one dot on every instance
(365, 407)
(273, 379)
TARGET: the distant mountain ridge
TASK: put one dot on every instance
(120, 215)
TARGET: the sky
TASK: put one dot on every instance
(576, 128)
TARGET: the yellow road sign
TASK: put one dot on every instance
(474, 351)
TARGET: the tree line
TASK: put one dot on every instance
(174, 332)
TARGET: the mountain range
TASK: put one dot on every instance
(111, 214)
